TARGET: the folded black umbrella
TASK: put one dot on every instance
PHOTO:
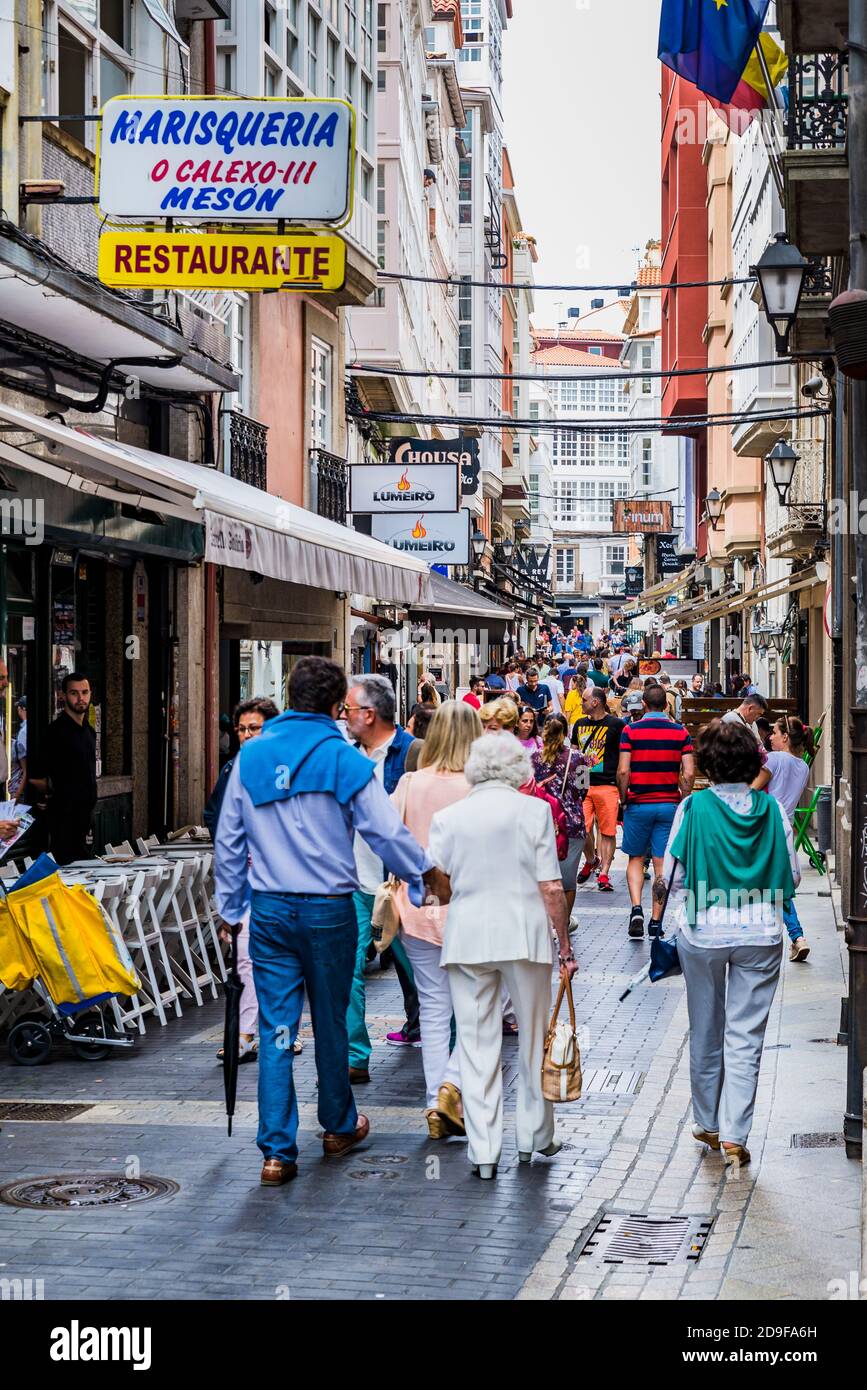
(232, 1029)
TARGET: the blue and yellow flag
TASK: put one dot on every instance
(709, 42)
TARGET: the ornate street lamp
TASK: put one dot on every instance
(782, 462)
(713, 505)
(781, 273)
(507, 545)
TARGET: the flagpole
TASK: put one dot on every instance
(773, 156)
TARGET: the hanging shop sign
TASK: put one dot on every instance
(215, 159)
(634, 580)
(668, 562)
(462, 451)
(380, 487)
(632, 518)
(442, 538)
(221, 260)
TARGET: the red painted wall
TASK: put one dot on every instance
(684, 245)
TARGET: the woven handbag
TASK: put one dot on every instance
(561, 1059)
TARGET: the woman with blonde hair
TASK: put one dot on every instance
(439, 782)
(500, 716)
(427, 691)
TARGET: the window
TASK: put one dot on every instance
(534, 496)
(350, 10)
(615, 560)
(90, 66)
(623, 450)
(587, 448)
(320, 383)
(332, 11)
(465, 333)
(366, 101)
(588, 393)
(367, 34)
(569, 394)
(270, 26)
(647, 366)
(465, 179)
(332, 58)
(349, 80)
(313, 26)
(646, 461)
(607, 393)
(382, 29)
(565, 500)
(645, 307)
(566, 567)
(594, 350)
(534, 410)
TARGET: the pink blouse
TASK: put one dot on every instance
(426, 792)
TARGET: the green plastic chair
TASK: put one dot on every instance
(801, 827)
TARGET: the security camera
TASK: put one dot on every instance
(813, 387)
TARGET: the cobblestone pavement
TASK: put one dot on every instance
(402, 1217)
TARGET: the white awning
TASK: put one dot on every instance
(245, 528)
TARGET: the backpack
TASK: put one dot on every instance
(561, 832)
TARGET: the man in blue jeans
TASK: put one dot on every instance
(655, 770)
(296, 798)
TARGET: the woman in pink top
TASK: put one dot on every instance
(439, 782)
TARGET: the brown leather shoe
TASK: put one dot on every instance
(334, 1145)
(358, 1076)
(275, 1172)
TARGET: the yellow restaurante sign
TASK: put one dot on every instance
(188, 260)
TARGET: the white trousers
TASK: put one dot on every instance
(249, 1020)
(478, 1011)
(435, 1015)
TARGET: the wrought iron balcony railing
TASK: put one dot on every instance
(248, 450)
(818, 101)
(329, 485)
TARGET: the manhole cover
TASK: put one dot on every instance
(647, 1241)
(817, 1141)
(382, 1174)
(32, 1110)
(608, 1081)
(385, 1159)
(73, 1191)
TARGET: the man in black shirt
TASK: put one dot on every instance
(597, 734)
(70, 758)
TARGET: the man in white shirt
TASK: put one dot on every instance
(558, 695)
(751, 709)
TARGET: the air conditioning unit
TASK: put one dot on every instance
(702, 575)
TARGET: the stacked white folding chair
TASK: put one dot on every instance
(110, 893)
(179, 923)
(201, 895)
(144, 938)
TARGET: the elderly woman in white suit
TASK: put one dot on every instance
(499, 851)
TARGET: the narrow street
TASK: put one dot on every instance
(401, 1217)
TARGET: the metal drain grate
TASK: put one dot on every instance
(76, 1191)
(376, 1174)
(385, 1160)
(607, 1081)
(33, 1110)
(646, 1240)
(818, 1141)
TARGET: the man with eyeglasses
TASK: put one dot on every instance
(297, 796)
(369, 711)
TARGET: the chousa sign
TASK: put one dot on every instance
(442, 539)
(379, 488)
(463, 451)
(218, 159)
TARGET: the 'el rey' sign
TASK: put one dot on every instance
(381, 487)
(443, 539)
(226, 159)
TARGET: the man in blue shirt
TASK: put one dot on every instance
(537, 696)
(296, 798)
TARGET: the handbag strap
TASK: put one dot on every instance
(566, 773)
(565, 988)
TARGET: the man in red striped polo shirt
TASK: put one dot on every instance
(656, 769)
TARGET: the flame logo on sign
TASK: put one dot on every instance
(418, 531)
(404, 484)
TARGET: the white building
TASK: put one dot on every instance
(590, 469)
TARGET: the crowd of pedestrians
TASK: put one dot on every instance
(482, 811)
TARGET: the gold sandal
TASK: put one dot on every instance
(448, 1107)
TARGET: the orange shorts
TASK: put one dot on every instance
(601, 804)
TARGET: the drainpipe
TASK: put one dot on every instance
(212, 617)
(856, 930)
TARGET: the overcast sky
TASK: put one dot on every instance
(582, 119)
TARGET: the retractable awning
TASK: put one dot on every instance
(450, 602)
(688, 615)
(244, 528)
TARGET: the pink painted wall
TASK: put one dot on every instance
(281, 377)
